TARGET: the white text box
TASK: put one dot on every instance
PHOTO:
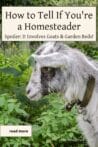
(15, 131)
(49, 23)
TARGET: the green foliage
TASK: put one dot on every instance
(88, 49)
(11, 110)
(55, 125)
(10, 70)
(12, 113)
(52, 126)
(14, 69)
(49, 2)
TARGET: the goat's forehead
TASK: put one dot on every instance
(46, 48)
(50, 47)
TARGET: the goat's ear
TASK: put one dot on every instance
(31, 60)
(52, 60)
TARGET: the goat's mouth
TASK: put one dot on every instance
(35, 97)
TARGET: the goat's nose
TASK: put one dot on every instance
(28, 91)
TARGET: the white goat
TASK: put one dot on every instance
(61, 68)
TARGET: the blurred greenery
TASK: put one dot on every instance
(49, 2)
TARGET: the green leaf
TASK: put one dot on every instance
(25, 142)
(2, 101)
(71, 135)
(16, 145)
(12, 100)
(10, 70)
(11, 107)
(23, 67)
(31, 61)
(21, 111)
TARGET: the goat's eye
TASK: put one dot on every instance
(48, 73)
(45, 70)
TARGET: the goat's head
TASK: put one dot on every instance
(49, 64)
(59, 68)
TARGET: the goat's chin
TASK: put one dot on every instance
(35, 98)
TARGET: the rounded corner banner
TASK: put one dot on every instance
(48, 23)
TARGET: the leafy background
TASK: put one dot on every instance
(52, 126)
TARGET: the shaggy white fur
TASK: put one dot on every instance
(61, 68)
